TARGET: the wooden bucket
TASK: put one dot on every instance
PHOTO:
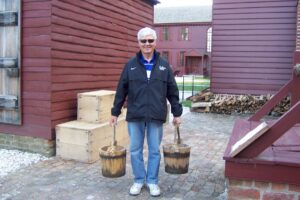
(113, 159)
(176, 156)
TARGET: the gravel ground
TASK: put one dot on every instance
(12, 160)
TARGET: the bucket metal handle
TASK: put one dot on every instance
(177, 139)
(114, 142)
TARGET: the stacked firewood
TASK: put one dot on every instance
(206, 101)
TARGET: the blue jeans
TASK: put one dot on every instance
(137, 131)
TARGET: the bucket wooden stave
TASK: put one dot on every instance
(176, 156)
(113, 159)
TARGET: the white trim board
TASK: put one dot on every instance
(247, 139)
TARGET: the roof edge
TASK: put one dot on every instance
(151, 2)
(183, 23)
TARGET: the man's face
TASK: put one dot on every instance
(147, 44)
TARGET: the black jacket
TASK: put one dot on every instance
(147, 99)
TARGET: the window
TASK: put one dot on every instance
(165, 55)
(185, 33)
(165, 33)
(181, 58)
(209, 37)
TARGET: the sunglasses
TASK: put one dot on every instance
(150, 41)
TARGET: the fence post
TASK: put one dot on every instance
(193, 85)
(182, 88)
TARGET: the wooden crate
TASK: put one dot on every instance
(81, 141)
(95, 107)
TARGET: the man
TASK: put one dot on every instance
(147, 81)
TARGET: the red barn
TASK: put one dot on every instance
(50, 51)
(184, 35)
(253, 45)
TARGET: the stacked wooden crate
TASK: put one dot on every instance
(81, 139)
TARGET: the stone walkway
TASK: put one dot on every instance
(55, 178)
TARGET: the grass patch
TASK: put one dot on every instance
(199, 83)
(189, 80)
(190, 87)
(186, 103)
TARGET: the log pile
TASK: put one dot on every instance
(206, 101)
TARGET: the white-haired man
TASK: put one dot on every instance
(147, 81)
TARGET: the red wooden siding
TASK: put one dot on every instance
(68, 47)
(91, 41)
(298, 31)
(253, 45)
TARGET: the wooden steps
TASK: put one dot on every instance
(81, 139)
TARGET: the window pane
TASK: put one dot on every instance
(165, 33)
(185, 33)
(181, 58)
(165, 55)
(209, 37)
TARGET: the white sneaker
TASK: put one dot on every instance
(154, 190)
(136, 189)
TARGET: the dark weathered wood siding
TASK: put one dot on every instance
(10, 61)
(72, 46)
(253, 45)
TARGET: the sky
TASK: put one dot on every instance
(170, 3)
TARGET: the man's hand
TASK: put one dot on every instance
(113, 121)
(177, 121)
